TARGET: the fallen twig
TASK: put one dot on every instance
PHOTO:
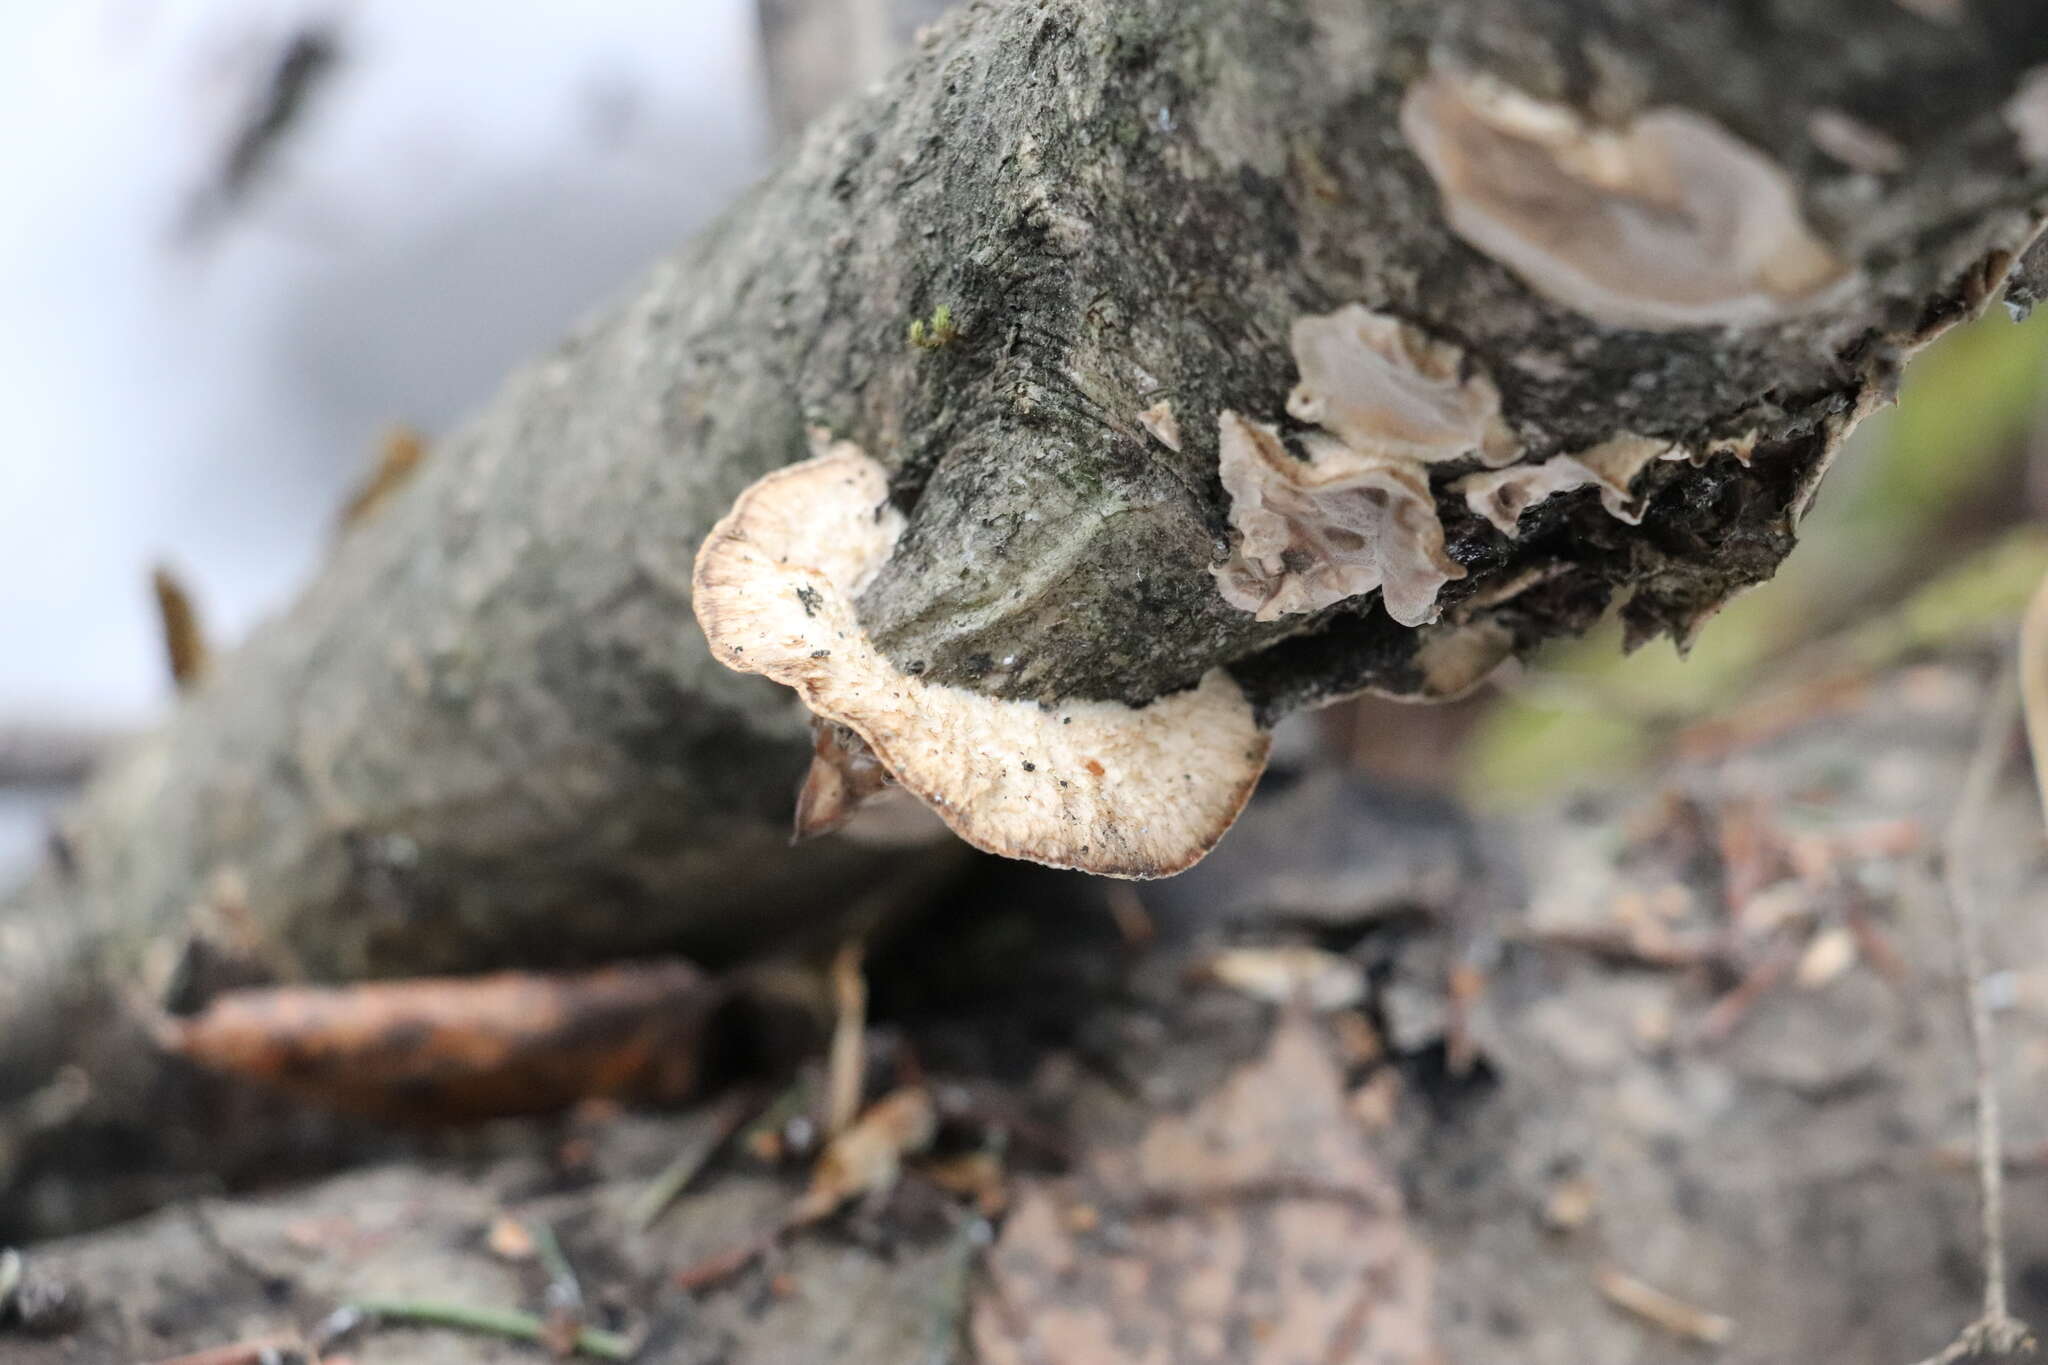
(1631, 947)
(500, 1322)
(263, 1351)
(715, 1269)
(436, 1049)
(1735, 1004)
(1995, 1332)
(676, 1177)
(1660, 1309)
(846, 1062)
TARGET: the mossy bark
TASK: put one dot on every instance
(490, 733)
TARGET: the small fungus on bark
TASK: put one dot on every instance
(1358, 514)
(1670, 222)
(1502, 495)
(1314, 532)
(1385, 388)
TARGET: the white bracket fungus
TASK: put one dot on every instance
(1453, 659)
(1385, 388)
(1093, 785)
(1163, 426)
(1314, 532)
(1668, 223)
(1358, 514)
(1502, 495)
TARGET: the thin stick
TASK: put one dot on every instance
(676, 1177)
(498, 1322)
(281, 1350)
(184, 638)
(565, 1291)
(1996, 1331)
(847, 1061)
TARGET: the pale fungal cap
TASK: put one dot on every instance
(1668, 223)
(2026, 113)
(1314, 532)
(1164, 426)
(1385, 388)
(1501, 496)
(1098, 786)
(1454, 659)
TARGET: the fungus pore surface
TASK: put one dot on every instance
(1098, 786)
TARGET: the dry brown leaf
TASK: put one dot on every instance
(1286, 973)
(185, 645)
(974, 1175)
(1256, 1229)
(868, 1157)
(509, 1240)
(398, 455)
(1660, 1309)
(442, 1049)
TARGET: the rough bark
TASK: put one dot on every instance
(490, 732)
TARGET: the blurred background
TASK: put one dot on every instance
(244, 241)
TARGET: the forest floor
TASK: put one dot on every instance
(1670, 1072)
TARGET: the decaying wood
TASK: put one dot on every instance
(489, 734)
(441, 1049)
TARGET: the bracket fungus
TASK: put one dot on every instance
(1502, 495)
(1099, 786)
(1314, 532)
(1385, 388)
(1670, 222)
(1358, 514)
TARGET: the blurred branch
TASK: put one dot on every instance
(51, 756)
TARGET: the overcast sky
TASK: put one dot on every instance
(198, 381)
